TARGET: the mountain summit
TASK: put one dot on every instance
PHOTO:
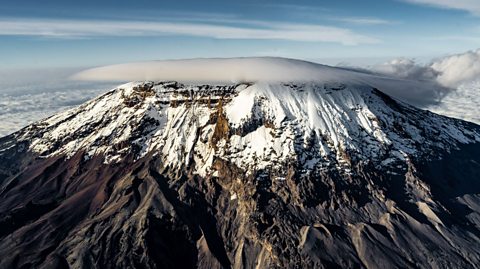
(318, 174)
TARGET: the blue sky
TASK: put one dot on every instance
(37, 34)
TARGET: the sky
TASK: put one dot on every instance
(55, 33)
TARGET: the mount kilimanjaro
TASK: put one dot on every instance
(320, 174)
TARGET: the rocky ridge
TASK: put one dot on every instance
(287, 175)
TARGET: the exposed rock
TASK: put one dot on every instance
(165, 175)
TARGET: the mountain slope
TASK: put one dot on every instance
(166, 175)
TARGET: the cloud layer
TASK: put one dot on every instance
(21, 110)
(462, 103)
(27, 96)
(215, 29)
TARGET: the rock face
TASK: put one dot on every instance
(313, 175)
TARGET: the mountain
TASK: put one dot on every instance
(321, 174)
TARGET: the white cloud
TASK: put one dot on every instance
(461, 103)
(17, 111)
(406, 68)
(255, 30)
(472, 6)
(459, 73)
(363, 20)
(216, 70)
(27, 96)
(233, 70)
(450, 71)
(459, 69)
(301, 9)
(316, 12)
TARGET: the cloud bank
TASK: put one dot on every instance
(462, 103)
(451, 71)
(407, 69)
(242, 29)
(265, 69)
(459, 69)
(20, 110)
(460, 73)
(27, 96)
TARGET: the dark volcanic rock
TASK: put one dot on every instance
(162, 175)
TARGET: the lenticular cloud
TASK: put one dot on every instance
(218, 70)
(266, 69)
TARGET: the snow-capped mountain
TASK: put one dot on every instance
(249, 175)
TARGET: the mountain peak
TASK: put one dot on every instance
(267, 174)
(273, 119)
